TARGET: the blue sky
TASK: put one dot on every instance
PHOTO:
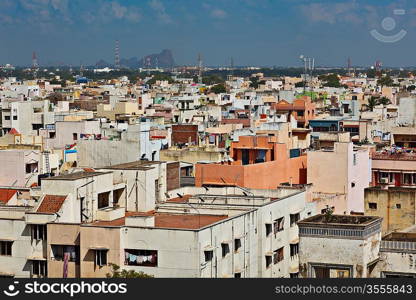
(253, 32)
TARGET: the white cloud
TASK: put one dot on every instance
(218, 13)
(160, 10)
(331, 12)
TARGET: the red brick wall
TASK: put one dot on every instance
(182, 133)
(172, 176)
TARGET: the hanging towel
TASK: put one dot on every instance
(132, 258)
(139, 259)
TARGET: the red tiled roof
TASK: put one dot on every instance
(13, 131)
(6, 195)
(51, 204)
(185, 198)
(169, 220)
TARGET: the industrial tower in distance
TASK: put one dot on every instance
(117, 55)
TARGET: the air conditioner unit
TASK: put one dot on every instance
(384, 180)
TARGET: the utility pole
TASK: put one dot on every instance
(199, 68)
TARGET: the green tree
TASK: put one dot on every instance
(330, 80)
(372, 102)
(160, 77)
(385, 81)
(384, 101)
(218, 89)
(254, 82)
(116, 273)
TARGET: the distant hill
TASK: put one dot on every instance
(163, 59)
(102, 64)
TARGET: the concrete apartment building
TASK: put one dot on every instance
(396, 205)
(119, 146)
(301, 109)
(343, 172)
(34, 247)
(397, 251)
(27, 117)
(257, 162)
(338, 246)
(393, 169)
(238, 236)
(20, 167)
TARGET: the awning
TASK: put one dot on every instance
(6, 239)
(295, 241)
(36, 258)
(294, 269)
(98, 248)
(269, 253)
(209, 248)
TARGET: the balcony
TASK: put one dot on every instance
(110, 213)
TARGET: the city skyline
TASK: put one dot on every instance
(260, 33)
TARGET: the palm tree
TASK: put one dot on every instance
(372, 102)
(384, 101)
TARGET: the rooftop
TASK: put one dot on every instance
(169, 220)
(400, 237)
(51, 204)
(76, 175)
(6, 195)
(393, 156)
(135, 165)
(340, 219)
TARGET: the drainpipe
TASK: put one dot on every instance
(137, 192)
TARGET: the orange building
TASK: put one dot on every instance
(302, 109)
(258, 162)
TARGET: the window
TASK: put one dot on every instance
(7, 118)
(294, 218)
(101, 257)
(31, 168)
(225, 249)
(156, 189)
(237, 244)
(36, 126)
(398, 205)
(39, 268)
(294, 249)
(6, 248)
(372, 205)
(294, 275)
(278, 255)
(354, 159)
(409, 178)
(144, 258)
(352, 184)
(14, 117)
(301, 113)
(268, 261)
(60, 251)
(208, 255)
(38, 232)
(237, 275)
(278, 224)
(103, 200)
(268, 229)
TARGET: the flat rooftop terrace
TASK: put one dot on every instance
(168, 220)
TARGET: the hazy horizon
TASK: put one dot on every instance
(253, 32)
